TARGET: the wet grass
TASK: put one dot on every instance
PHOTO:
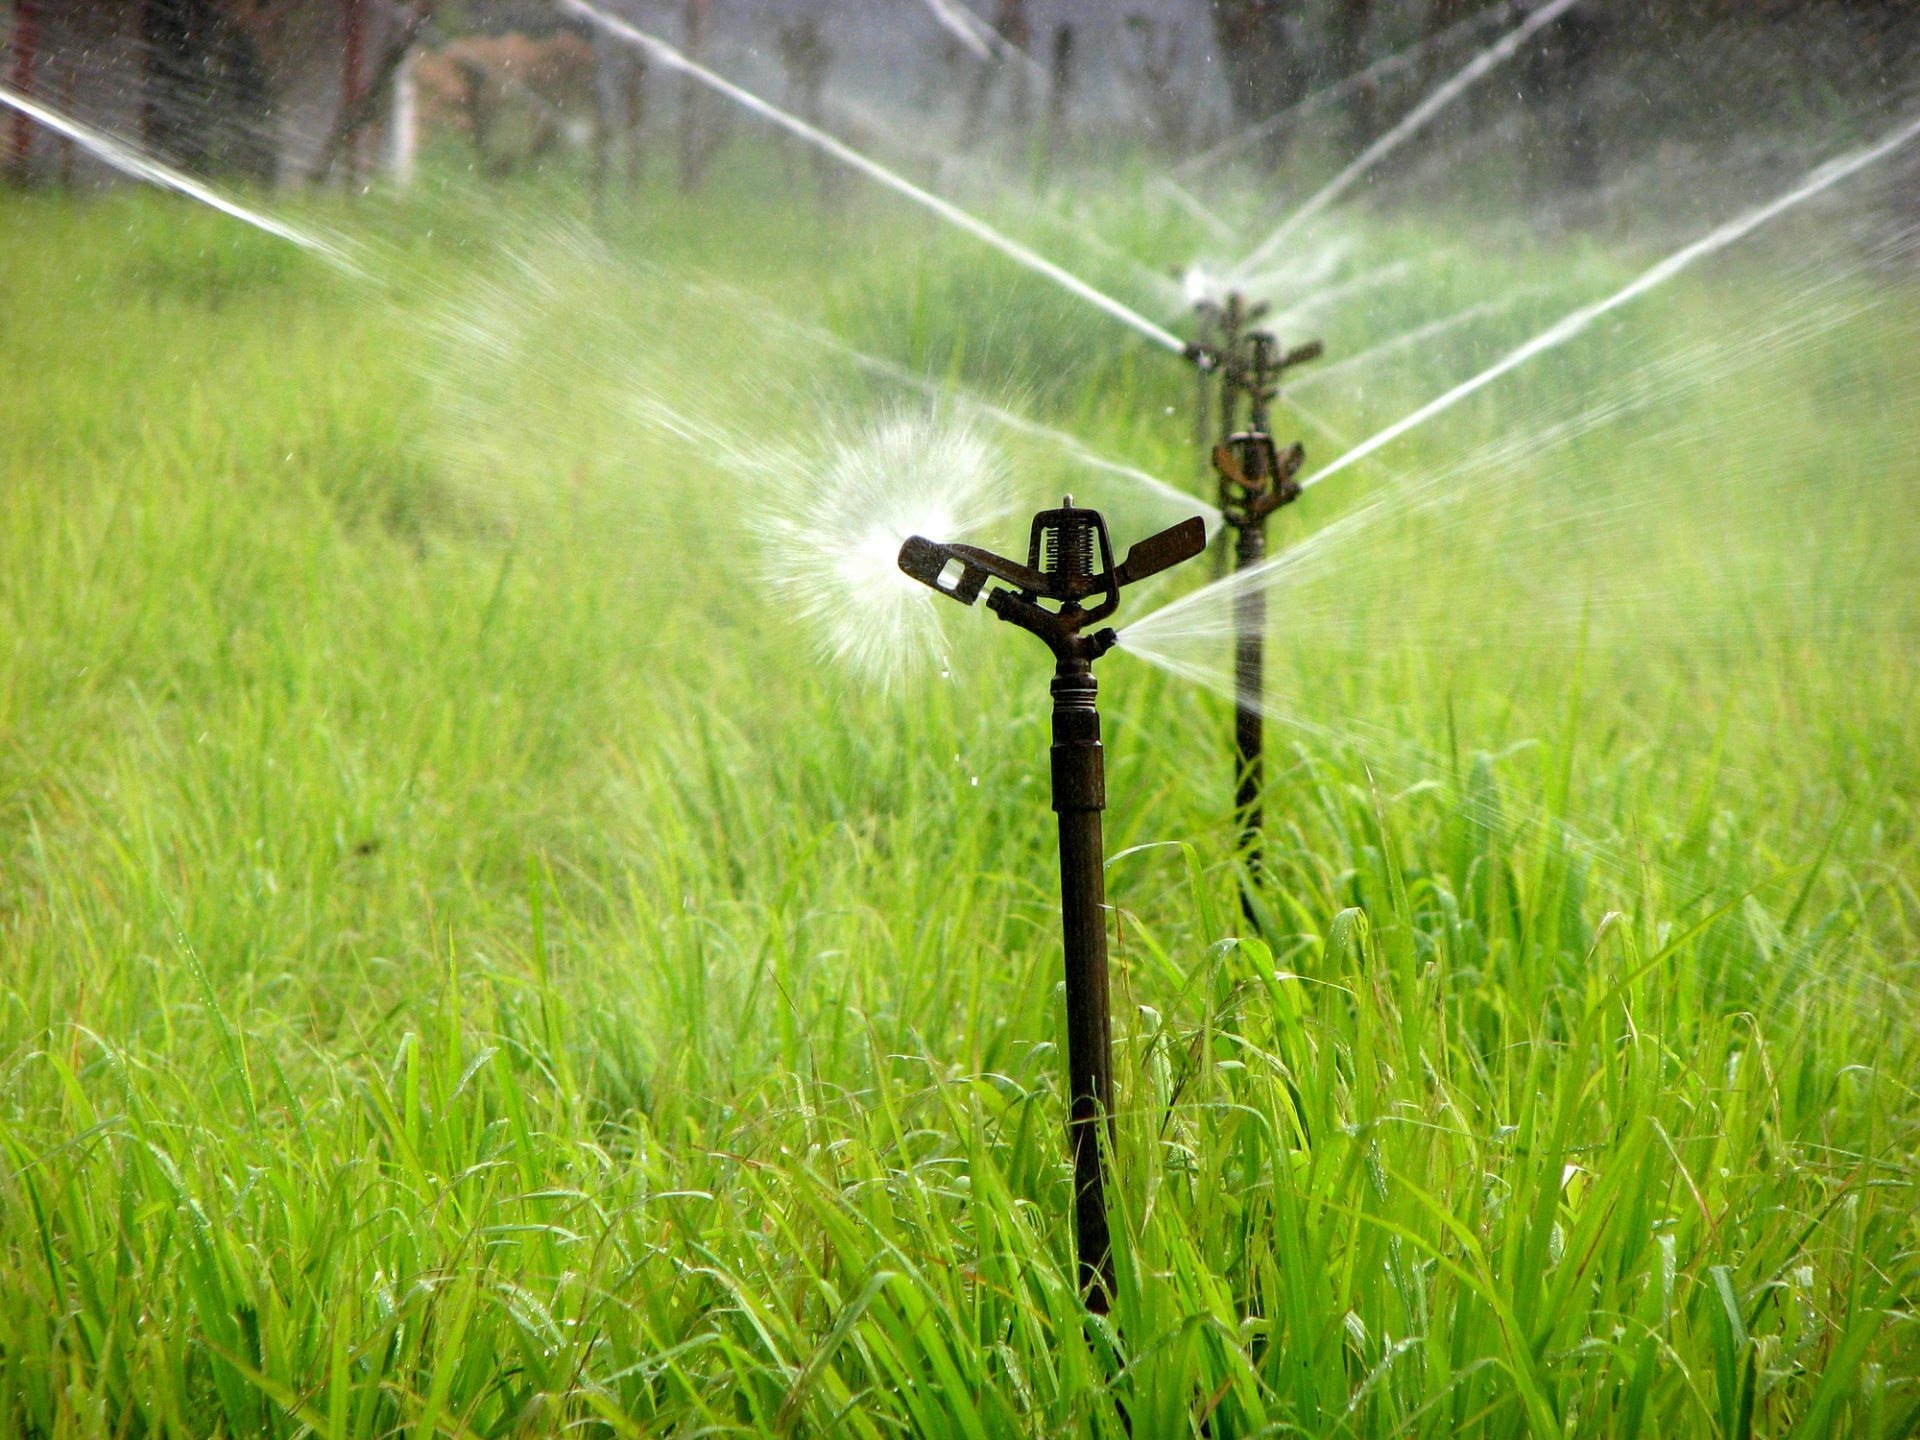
(467, 969)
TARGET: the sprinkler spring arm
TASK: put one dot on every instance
(1060, 565)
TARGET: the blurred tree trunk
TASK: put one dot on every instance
(1153, 70)
(69, 88)
(1059, 92)
(1442, 16)
(1557, 77)
(620, 110)
(637, 117)
(353, 31)
(974, 124)
(1580, 41)
(1350, 49)
(697, 139)
(1012, 39)
(1443, 57)
(806, 57)
(179, 89)
(400, 150)
(245, 138)
(367, 94)
(1258, 49)
(1016, 34)
(209, 94)
(25, 46)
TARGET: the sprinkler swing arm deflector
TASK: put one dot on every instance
(1063, 551)
(1060, 567)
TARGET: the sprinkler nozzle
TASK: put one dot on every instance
(1069, 560)
(1204, 357)
(1222, 325)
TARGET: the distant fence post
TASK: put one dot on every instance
(403, 123)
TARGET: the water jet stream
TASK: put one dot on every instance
(1326, 95)
(981, 38)
(1202, 617)
(1034, 429)
(1408, 339)
(963, 25)
(128, 161)
(1824, 178)
(1410, 125)
(1190, 204)
(1075, 449)
(675, 59)
(1316, 584)
(1327, 297)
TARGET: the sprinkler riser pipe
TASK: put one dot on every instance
(1079, 795)
(1249, 728)
(1256, 478)
(1259, 410)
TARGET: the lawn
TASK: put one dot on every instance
(472, 963)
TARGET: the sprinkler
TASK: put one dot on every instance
(1220, 328)
(1256, 479)
(1070, 563)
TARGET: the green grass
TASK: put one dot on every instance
(469, 970)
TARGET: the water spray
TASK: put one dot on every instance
(123, 157)
(1817, 182)
(1409, 126)
(1070, 563)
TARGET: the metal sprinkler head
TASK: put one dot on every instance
(1220, 328)
(1256, 476)
(1069, 562)
(1070, 568)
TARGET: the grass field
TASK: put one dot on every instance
(471, 968)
